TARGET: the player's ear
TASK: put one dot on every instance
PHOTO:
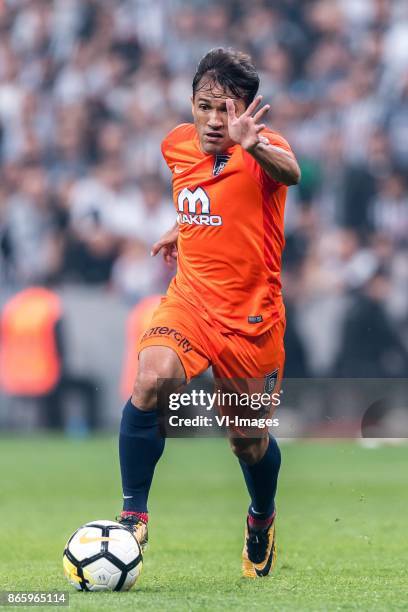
(192, 106)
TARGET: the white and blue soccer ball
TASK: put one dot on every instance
(102, 556)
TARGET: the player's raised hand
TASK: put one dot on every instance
(168, 245)
(245, 129)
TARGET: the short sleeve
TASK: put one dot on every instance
(165, 149)
(277, 140)
(175, 146)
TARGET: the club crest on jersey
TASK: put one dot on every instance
(194, 208)
(220, 162)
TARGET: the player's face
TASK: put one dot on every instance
(210, 117)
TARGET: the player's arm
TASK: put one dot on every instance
(277, 163)
(280, 165)
(167, 244)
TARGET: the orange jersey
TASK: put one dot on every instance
(231, 236)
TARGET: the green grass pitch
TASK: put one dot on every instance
(342, 525)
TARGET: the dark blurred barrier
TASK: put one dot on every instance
(137, 322)
(95, 354)
(33, 367)
(91, 348)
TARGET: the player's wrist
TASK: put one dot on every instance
(259, 145)
(253, 147)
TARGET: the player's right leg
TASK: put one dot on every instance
(170, 351)
(140, 442)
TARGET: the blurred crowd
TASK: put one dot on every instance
(88, 89)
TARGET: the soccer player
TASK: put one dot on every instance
(224, 307)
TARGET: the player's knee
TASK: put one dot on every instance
(249, 451)
(156, 368)
(144, 394)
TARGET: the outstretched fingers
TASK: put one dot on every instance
(253, 106)
(258, 116)
(230, 109)
(259, 128)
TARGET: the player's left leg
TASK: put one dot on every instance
(261, 360)
(260, 460)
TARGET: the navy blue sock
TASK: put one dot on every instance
(261, 481)
(140, 448)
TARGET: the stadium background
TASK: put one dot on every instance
(88, 88)
(87, 91)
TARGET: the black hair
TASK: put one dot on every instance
(232, 70)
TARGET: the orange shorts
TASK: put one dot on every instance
(199, 343)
